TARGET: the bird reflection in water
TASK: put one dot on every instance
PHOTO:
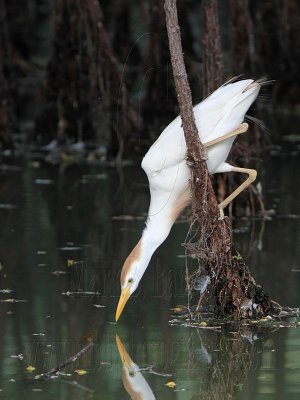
(133, 380)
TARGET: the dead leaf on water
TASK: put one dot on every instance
(202, 323)
(70, 263)
(80, 371)
(177, 309)
(30, 368)
(171, 384)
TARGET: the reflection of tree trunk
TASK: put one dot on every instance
(212, 58)
(235, 288)
(230, 366)
(280, 343)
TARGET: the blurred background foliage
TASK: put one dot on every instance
(97, 75)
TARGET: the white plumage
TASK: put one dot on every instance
(218, 118)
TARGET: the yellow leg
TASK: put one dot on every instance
(241, 129)
(251, 178)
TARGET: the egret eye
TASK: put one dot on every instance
(130, 281)
(131, 374)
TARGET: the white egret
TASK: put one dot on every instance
(219, 119)
(133, 380)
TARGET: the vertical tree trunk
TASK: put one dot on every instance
(85, 88)
(240, 37)
(156, 65)
(234, 286)
(277, 44)
(212, 54)
(113, 87)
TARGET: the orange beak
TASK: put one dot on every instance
(125, 294)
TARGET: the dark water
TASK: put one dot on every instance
(64, 235)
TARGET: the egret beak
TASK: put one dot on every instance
(126, 360)
(125, 294)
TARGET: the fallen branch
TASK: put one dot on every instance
(58, 368)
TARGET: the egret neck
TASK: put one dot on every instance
(158, 226)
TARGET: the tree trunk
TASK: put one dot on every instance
(212, 55)
(156, 66)
(236, 292)
(240, 36)
(85, 90)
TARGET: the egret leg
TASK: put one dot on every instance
(241, 129)
(252, 173)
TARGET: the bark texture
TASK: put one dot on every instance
(236, 292)
(212, 59)
(241, 36)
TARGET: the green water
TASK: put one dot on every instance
(87, 219)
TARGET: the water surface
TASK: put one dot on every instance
(64, 236)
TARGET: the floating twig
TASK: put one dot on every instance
(58, 368)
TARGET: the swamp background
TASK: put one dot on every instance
(86, 86)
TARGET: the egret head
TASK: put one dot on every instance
(131, 274)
